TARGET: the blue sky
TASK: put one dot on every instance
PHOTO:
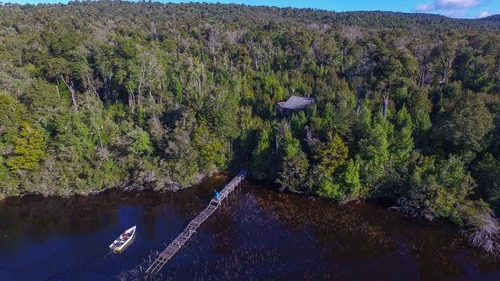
(452, 8)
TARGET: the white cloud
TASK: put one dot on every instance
(457, 6)
(425, 7)
(484, 14)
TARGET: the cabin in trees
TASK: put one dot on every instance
(293, 104)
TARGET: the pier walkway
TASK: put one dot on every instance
(180, 240)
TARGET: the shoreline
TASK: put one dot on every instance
(386, 203)
(173, 187)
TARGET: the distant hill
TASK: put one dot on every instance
(244, 13)
(494, 18)
(379, 19)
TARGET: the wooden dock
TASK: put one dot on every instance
(180, 240)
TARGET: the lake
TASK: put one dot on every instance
(258, 234)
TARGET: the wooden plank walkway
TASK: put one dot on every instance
(180, 240)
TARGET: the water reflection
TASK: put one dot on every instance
(258, 234)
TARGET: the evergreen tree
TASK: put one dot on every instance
(332, 155)
(139, 143)
(210, 148)
(329, 188)
(351, 179)
(420, 109)
(374, 151)
(29, 149)
(487, 176)
(402, 143)
(466, 129)
(261, 155)
(294, 162)
(298, 123)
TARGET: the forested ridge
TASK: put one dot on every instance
(492, 18)
(109, 93)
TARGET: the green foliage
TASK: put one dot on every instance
(182, 158)
(29, 149)
(332, 155)
(294, 162)
(420, 109)
(329, 189)
(402, 144)
(298, 122)
(4, 170)
(454, 185)
(86, 105)
(374, 151)
(364, 121)
(345, 186)
(139, 143)
(272, 92)
(43, 101)
(261, 155)
(487, 175)
(464, 130)
(210, 147)
(351, 179)
(441, 190)
(13, 113)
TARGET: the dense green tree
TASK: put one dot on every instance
(298, 125)
(261, 155)
(29, 149)
(466, 128)
(182, 158)
(374, 151)
(420, 109)
(271, 93)
(332, 155)
(402, 143)
(329, 188)
(351, 179)
(139, 142)
(210, 148)
(441, 189)
(488, 178)
(294, 162)
(13, 114)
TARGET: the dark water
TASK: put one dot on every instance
(258, 235)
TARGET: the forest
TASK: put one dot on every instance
(100, 94)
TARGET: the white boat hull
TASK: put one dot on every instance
(119, 245)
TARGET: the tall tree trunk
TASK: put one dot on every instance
(131, 101)
(72, 91)
(131, 97)
(447, 67)
(385, 104)
(421, 77)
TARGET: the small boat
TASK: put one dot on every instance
(123, 240)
